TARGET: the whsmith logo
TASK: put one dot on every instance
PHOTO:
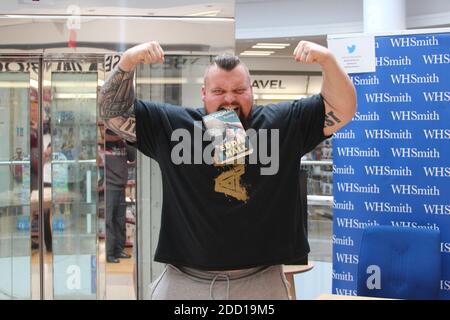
(343, 276)
(415, 153)
(344, 241)
(441, 209)
(415, 190)
(437, 171)
(411, 224)
(445, 247)
(441, 58)
(445, 285)
(344, 134)
(346, 205)
(388, 134)
(357, 152)
(357, 188)
(438, 134)
(343, 170)
(412, 78)
(436, 96)
(387, 207)
(355, 223)
(365, 81)
(388, 171)
(414, 42)
(347, 258)
(407, 115)
(345, 292)
(391, 62)
(385, 97)
(369, 116)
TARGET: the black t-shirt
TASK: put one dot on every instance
(231, 217)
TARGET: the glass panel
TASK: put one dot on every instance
(119, 215)
(318, 165)
(320, 230)
(74, 183)
(15, 228)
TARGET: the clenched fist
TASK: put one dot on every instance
(309, 52)
(146, 53)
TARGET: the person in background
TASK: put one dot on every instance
(117, 156)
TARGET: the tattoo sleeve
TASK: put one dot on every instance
(116, 104)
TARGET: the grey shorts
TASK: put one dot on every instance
(180, 283)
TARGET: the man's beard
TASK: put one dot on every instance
(244, 121)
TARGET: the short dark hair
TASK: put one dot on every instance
(226, 62)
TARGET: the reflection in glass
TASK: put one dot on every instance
(119, 215)
(15, 182)
(320, 191)
(320, 231)
(74, 184)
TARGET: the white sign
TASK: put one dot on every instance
(279, 84)
(355, 54)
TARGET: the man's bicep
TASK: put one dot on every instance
(334, 119)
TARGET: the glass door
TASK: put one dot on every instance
(19, 223)
(57, 168)
(71, 175)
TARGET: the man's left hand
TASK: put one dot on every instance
(309, 52)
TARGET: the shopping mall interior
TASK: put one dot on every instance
(54, 172)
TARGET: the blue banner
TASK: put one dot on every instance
(391, 164)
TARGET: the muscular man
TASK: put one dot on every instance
(227, 230)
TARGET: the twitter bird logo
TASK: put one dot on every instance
(351, 48)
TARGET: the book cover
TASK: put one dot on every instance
(231, 141)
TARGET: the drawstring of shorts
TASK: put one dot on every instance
(211, 287)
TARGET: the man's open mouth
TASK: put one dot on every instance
(235, 108)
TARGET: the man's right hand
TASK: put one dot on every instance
(146, 53)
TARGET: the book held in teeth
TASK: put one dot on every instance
(231, 141)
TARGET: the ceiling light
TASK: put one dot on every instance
(273, 44)
(257, 46)
(256, 53)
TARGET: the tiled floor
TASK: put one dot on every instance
(119, 279)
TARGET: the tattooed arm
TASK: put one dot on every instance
(337, 89)
(116, 104)
(116, 101)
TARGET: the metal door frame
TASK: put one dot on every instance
(48, 61)
(36, 280)
(41, 278)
